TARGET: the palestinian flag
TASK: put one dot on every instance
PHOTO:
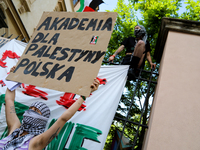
(94, 40)
(89, 5)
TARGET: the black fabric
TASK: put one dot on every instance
(14, 143)
(33, 122)
(95, 3)
(42, 107)
(126, 60)
(139, 33)
(130, 43)
(133, 63)
(2, 20)
(133, 72)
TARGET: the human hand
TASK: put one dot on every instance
(111, 58)
(12, 69)
(94, 86)
(153, 65)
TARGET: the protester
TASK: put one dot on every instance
(31, 134)
(137, 48)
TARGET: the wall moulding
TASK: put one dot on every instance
(25, 6)
(3, 4)
(60, 6)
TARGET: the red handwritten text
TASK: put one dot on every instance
(9, 54)
(32, 91)
(67, 100)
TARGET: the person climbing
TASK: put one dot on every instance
(137, 48)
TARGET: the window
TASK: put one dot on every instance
(75, 2)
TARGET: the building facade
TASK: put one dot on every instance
(20, 17)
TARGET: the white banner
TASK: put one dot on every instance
(89, 127)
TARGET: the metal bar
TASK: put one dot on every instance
(155, 82)
(136, 123)
(139, 98)
(124, 133)
(148, 89)
(17, 37)
(3, 35)
(143, 108)
(110, 63)
(150, 72)
(9, 36)
(23, 39)
(129, 109)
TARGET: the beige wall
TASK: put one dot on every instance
(13, 21)
(37, 7)
(22, 16)
(69, 5)
(174, 122)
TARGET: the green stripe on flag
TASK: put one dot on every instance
(81, 6)
(96, 39)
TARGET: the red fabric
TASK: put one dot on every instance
(67, 100)
(3, 64)
(32, 91)
(2, 83)
(102, 81)
(88, 9)
(9, 54)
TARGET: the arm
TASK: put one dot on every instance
(42, 140)
(121, 48)
(150, 61)
(11, 117)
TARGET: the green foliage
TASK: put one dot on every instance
(123, 28)
(152, 12)
(192, 10)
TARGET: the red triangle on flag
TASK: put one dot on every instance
(88, 9)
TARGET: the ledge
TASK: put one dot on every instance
(172, 24)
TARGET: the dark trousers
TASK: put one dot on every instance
(133, 63)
